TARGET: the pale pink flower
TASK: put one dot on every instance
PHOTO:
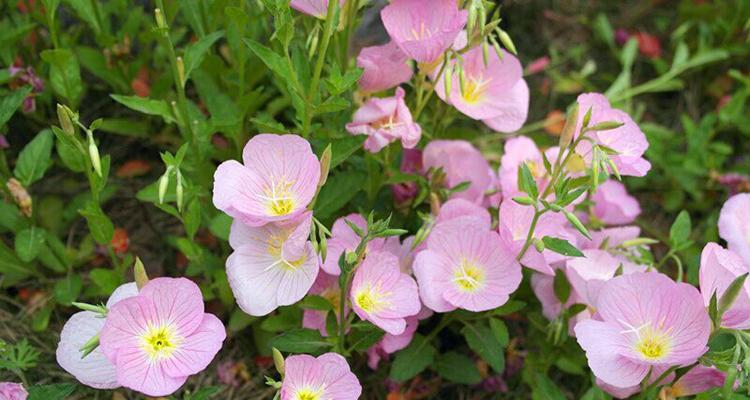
(325, 377)
(466, 266)
(460, 208)
(734, 225)
(402, 250)
(613, 205)
(315, 8)
(587, 275)
(538, 65)
(382, 294)
(390, 344)
(698, 380)
(624, 393)
(423, 29)
(384, 67)
(411, 163)
(95, 369)
(461, 162)
(12, 391)
(719, 268)
(628, 140)
(612, 237)
(514, 222)
(326, 286)
(385, 120)
(161, 336)
(544, 290)
(343, 238)
(647, 320)
(273, 265)
(278, 180)
(494, 92)
(517, 151)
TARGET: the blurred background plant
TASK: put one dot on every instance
(152, 101)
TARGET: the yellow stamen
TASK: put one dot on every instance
(468, 276)
(278, 198)
(309, 394)
(370, 300)
(474, 89)
(160, 341)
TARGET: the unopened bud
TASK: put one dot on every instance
(507, 41)
(485, 53)
(462, 79)
(139, 272)
(90, 307)
(20, 196)
(164, 184)
(571, 120)
(313, 45)
(539, 245)
(64, 117)
(89, 346)
(325, 165)
(448, 79)
(180, 70)
(94, 155)
(179, 191)
(524, 200)
(278, 361)
(577, 224)
(434, 203)
(160, 21)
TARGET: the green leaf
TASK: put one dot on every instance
(341, 149)
(730, 295)
(545, 389)
(220, 226)
(193, 217)
(205, 393)
(196, 52)
(99, 224)
(594, 393)
(68, 289)
(365, 337)
(412, 360)
(85, 11)
(59, 391)
(315, 302)
(273, 61)
(10, 103)
(300, 341)
(561, 246)
(10, 217)
(69, 153)
(526, 181)
(679, 233)
(480, 339)
(29, 242)
(106, 279)
(145, 105)
(339, 189)
(500, 331)
(458, 368)
(561, 286)
(510, 307)
(35, 158)
(64, 74)
(11, 267)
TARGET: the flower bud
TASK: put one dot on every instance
(325, 165)
(89, 346)
(538, 245)
(448, 78)
(64, 118)
(577, 224)
(180, 70)
(507, 41)
(569, 128)
(179, 191)
(160, 21)
(278, 361)
(139, 272)
(164, 184)
(20, 196)
(94, 155)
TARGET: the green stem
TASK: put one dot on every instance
(313, 93)
(423, 100)
(530, 234)
(187, 127)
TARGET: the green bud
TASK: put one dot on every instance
(325, 165)
(638, 242)
(164, 184)
(278, 361)
(160, 21)
(139, 272)
(180, 190)
(526, 201)
(64, 117)
(568, 132)
(351, 257)
(606, 126)
(577, 224)
(94, 154)
(448, 78)
(180, 70)
(485, 53)
(587, 117)
(89, 346)
(730, 295)
(90, 307)
(538, 245)
(507, 41)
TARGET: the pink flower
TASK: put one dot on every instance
(544, 290)
(325, 377)
(624, 393)
(161, 336)
(647, 320)
(613, 237)
(519, 150)
(390, 344)
(277, 182)
(538, 65)
(719, 268)
(423, 29)
(613, 204)
(384, 295)
(343, 239)
(12, 391)
(326, 286)
(95, 369)
(461, 162)
(494, 93)
(315, 8)
(271, 266)
(402, 251)
(734, 225)
(588, 275)
(628, 140)
(460, 208)
(385, 120)
(384, 67)
(465, 266)
(514, 222)
(698, 380)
